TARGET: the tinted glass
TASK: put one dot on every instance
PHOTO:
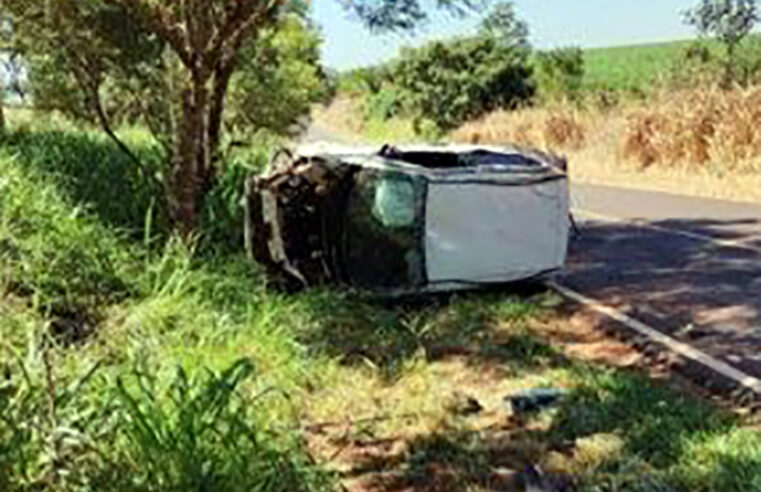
(383, 242)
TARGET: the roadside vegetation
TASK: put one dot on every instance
(132, 360)
(677, 116)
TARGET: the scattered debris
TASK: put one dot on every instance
(534, 400)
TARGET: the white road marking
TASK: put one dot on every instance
(727, 243)
(683, 349)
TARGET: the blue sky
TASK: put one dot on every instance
(586, 23)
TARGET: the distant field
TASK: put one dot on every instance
(636, 67)
(631, 67)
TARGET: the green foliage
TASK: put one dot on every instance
(448, 83)
(560, 73)
(503, 24)
(52, 250)
(45, 421)
(384, 104)
(385, 15)
(197, 431)
(222, 214)
(92, 172)
(365, 80)
(198, 434)
(444, 83)
(279, 79)
(729, 21)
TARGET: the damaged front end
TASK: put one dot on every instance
(292, 214)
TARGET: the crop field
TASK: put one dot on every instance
(638, 68)
(630, 68)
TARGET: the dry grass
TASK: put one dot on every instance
(705, 142)
(699, 127)
(343, 119)
(557, 128)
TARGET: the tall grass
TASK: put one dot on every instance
(92, 172)
(53, 251)
(140, 431)
(698, 127)
(121, 360)
(704, 127)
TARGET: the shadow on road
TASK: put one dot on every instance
(695, 290)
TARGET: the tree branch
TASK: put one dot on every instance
(162, 23)
(91, 89)
(238, 27)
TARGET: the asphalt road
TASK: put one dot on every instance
(689, 267)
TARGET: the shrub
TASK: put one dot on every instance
(361, 81)
(384, 104)
(560, 73)
(451, 82)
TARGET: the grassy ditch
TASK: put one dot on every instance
(130, 361)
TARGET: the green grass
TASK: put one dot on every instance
(631, 67)
(130, 361)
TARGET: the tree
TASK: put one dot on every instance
(178, 57)
(729, 21)
(444, 83)
(560, 72)
(503, 24)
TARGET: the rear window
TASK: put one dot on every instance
(384, 230)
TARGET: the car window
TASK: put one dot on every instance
(394, 202)
(384, 220)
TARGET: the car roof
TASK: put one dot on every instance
(518, 159)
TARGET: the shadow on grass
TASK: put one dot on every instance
(665, 439)
(668, 443)
(92, 171)
(386, 336)
(442, 462)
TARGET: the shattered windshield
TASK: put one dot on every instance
(394, 202)
(383, 245)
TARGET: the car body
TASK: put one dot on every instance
(409, 219)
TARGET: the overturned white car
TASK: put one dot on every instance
(404, 220)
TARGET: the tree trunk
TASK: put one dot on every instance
(222, 78)
(191, 163)
(729, 73)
